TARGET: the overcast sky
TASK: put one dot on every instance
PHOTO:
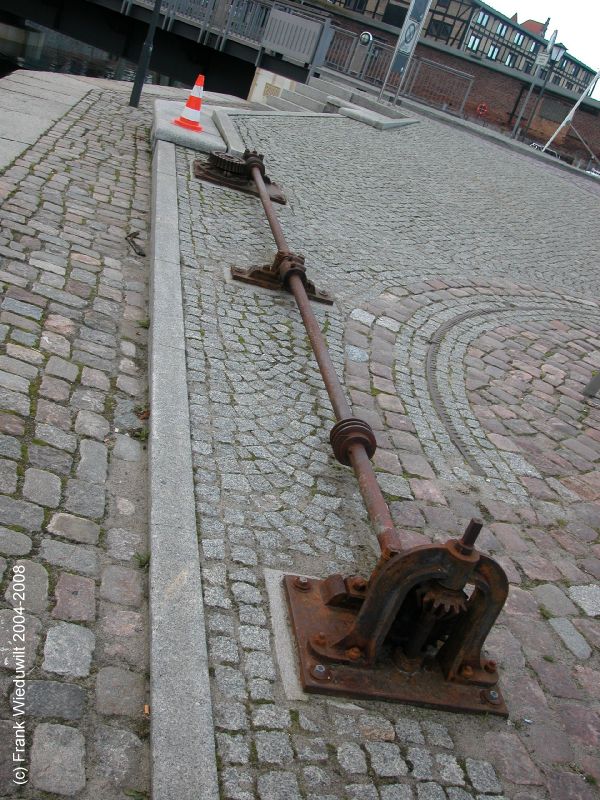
(577, 22)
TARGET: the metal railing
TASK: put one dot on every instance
(426, 80)
(292, 31)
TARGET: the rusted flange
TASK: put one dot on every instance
(348, 432)
(254, 159)
(290, 264)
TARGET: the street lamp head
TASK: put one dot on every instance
(558, 52)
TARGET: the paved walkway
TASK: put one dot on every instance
(491, 257)
(73, 426)
(426, 235)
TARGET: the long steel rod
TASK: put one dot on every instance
(370, 490)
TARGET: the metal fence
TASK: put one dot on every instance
(426, 80)
(299, 35)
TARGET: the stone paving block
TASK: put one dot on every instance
(50, 458)
(88, 423)
(75, 598)
(122, 585)
(13, 543)
(571, 637)
(120, 692)
(386, 760)
(9, 657)
(42, 487)
(56, 437)
(93, 461)
(278, 786)
(19, 512)
(587, 598)
(75, 528)
(8, 476)
(61, 369)
(430, 791)
(273, 748)
(33, 594)
(122, 635)
(72, 557)
(57, 759)
(85, 498)
(553, 599)
(482, 775)
(53, 699)
(68, 650)
(120, 758)
(351, 758)
(123, 544)
(127, 449)
(399, 791)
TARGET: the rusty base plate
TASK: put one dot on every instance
(310, 616)
(205, 172)
(267, 278)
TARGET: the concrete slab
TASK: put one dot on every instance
(284, 645)
(374, 119)
(176, 609)
(228, 131)
(31, 103)
(163, 129)
(9, 150)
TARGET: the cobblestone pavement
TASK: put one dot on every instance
(72, 469)
(465, 327)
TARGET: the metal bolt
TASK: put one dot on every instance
(359, 584)
(301, 583)
(494, 695)
(490, 666)
(467, 671)
(320, 672)
(320, 639)
(354, 653)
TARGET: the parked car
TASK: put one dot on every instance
(549, 151)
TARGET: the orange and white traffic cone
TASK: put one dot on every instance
(190, 116)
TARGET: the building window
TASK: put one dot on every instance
(533, 47)
(564, 63)
(501, 29)
(569, 85)
(443, 3)
(575, 70)
(510, 60)
(482, 19)
(518, 38)
(439, 29)
(528, 66)
(556, 79)
(493, 52)
(474, 43)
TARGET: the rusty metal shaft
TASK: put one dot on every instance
(377, 508)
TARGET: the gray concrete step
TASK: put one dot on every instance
(280, 104)
(311, 91)
(368, 101)
(331, 88)
(302, 100)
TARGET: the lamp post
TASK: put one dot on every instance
(557, 53)
(144, 62)
(538, 64)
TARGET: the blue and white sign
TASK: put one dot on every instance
(409, 35)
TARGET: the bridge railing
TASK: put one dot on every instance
(295, 33)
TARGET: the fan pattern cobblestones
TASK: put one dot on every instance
(419, 251)
(72, 473)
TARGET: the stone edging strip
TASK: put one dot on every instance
(182, 739)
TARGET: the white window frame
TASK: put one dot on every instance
(501, 29)
(493, 51)
(482, 18)
(473, 43)
(511, 59)
(518, 38)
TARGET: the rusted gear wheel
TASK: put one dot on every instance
(441, 602)
(228, 164)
